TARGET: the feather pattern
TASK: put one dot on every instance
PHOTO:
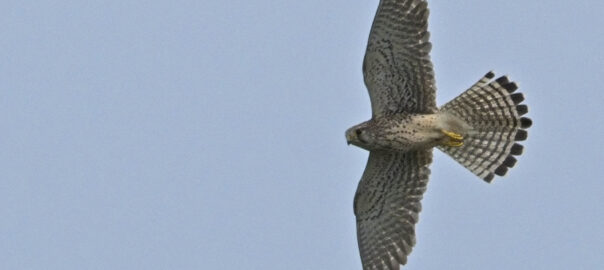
(397, 68)
(494, 111)
(387, 205)
(399, 77)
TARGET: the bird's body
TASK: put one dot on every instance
(406, 132)
(479, 129)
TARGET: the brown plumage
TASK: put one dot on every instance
(480, 129)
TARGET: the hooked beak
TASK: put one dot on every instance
(348, 138)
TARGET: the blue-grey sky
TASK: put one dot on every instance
(210, 135)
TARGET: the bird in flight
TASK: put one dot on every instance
(480, 129)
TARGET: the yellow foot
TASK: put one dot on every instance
(453, 139)
(453, 143)
(452, 135)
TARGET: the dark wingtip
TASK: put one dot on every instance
(517, 98)
(522, 109)
(511, 87)
(525, 122)
(503, 80)
(517, 149)
(501, 170)
(510, 161)
(521, 135)
(489, 178)
(490, 75)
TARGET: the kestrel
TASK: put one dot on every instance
(479, 129)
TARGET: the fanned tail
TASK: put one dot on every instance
(494, 111)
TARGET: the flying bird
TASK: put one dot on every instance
(480, 129)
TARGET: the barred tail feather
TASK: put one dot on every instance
(495, 113)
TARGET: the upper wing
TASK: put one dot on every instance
(397, 68)
(387, 205)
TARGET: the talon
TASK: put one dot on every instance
(452, 135)
(453, 139)
(454, 143)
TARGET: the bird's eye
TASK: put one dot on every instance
(360, 136)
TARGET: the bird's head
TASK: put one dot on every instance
(361, 136)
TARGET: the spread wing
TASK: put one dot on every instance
(387, 205)
(397, 68)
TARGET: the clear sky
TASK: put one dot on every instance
(210, 135)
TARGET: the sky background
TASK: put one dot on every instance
(210, 135)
